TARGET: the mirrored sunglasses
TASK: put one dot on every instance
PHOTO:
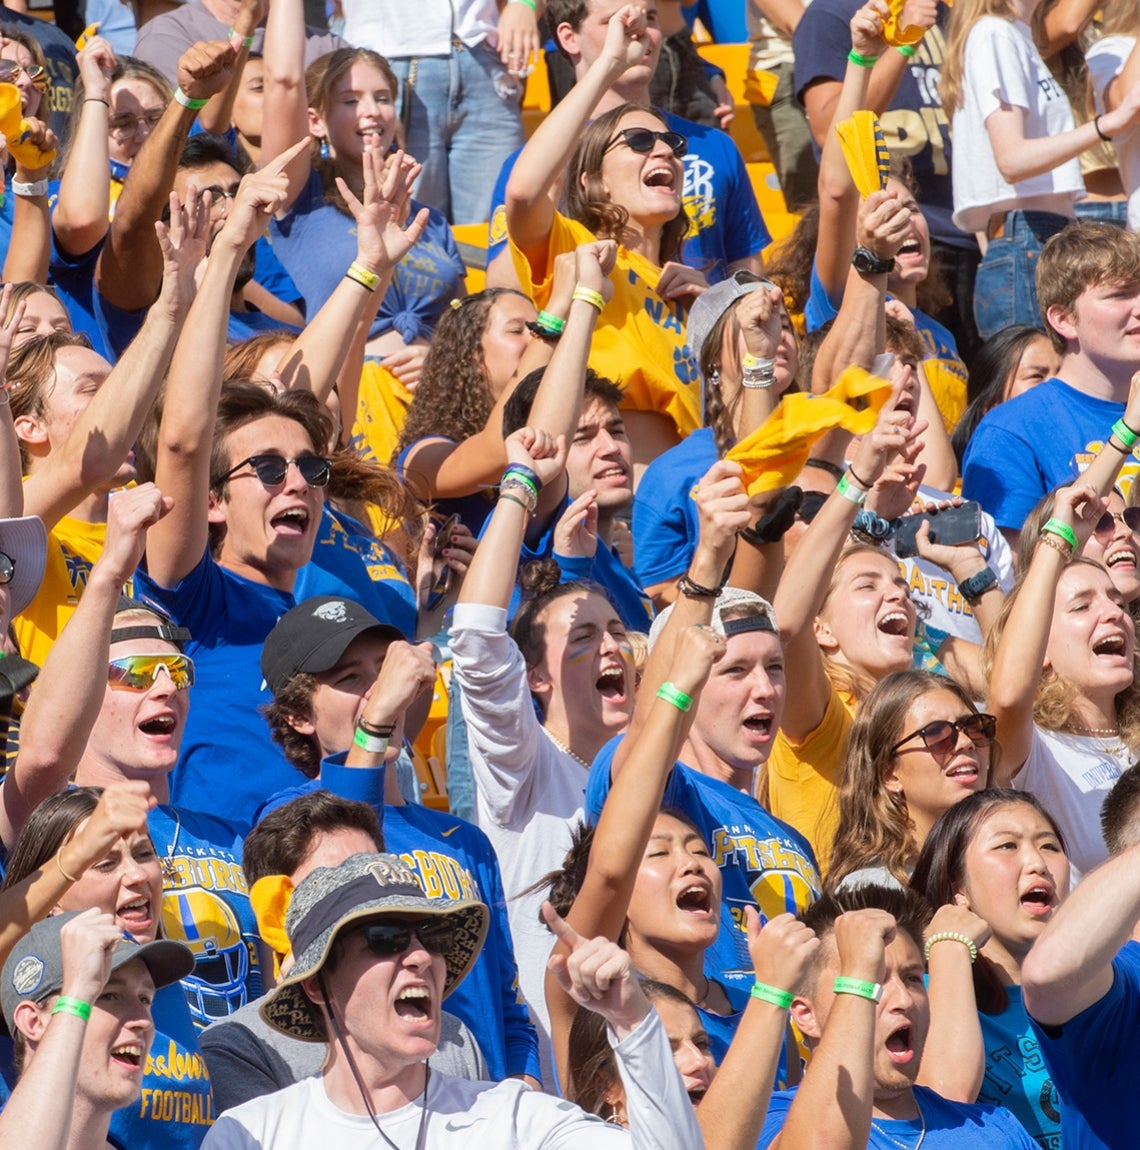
(139, 672)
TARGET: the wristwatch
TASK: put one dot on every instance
(866, 263)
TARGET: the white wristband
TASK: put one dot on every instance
(36, 188)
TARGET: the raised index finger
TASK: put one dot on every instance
(281, 162)
(560, 928)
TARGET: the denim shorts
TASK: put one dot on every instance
(1005, 290)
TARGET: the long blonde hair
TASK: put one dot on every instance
(963, 16)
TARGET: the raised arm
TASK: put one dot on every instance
(626, 821)
(129, 269)
(81, 215)
(1070, 965)
(110, 424)
(69, 693)
(285, 116)
(1019, 659)
(217, 115)
(530, 211)
(29, 247)
(185, 438)
(11, 477)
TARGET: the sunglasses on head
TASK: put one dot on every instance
(11, 69)
(271, 469)
(642, 140)
(140, 672)
(386, 939)
(1106, 524)
(941, 736)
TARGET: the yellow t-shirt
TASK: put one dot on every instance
(640, 338)
(803, 778)
(72, 550)
(380, 410)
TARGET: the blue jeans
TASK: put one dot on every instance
(462, 120)
(1005, 289)
(1104, 211)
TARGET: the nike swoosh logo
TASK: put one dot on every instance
(451, 830)
(452, 1127)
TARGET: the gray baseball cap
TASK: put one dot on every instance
(758, 609)
(709, 306)
(34, 969)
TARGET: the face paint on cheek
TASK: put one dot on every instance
(579, 656)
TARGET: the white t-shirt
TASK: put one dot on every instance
(1002, 66)
(1106, 59)
(529, 793)
(496, 1116)
(1071, 774)
(396, 28)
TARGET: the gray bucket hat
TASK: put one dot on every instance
(709, 306)
(364, 888)
(34, 969)
(24, 541)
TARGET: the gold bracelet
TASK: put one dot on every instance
(1056, 542)
(59, 867)
(588, 295)
(361, 275)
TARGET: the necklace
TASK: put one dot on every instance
(168, 868)
(563, 747)
(895, 1141)
(704, 997)
(1103, 732)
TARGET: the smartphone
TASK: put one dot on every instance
(962, 524)
(442, 582)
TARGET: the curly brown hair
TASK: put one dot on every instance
(589, 203)
(295, 701)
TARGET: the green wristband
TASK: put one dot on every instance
(66, 1005)
(180, 97)
(872, 991)
(773, 995)
(1063, 530)
(551, 322)
(677, 697)
(862, 61)
(845, 489)
(1125, 433)
(370, 743)
(907, 50)
(529, 3)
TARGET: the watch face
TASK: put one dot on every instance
(868, 263)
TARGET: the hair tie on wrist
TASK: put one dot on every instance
(951, 936)
(1099, 131)
(59, 867)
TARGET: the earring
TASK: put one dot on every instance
(324, 150)
(615, 1118)
(714, 377)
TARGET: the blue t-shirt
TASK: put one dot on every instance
(1016, 1075)
(228, 762)
(271, 275)
(205, 904)
(176, 1109)
(1093, 1060)
(721, 1028)
(316, 242)
(763, 862)
(349, 561)
(914, 124)
(243, 325)
(949, 1125)
(1028, 445)
(665, 524)
(452, 858)
(725, 220)
(7, 207)
(73, 277)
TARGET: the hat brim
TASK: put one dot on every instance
(325, 655)
(168, 961)
(24, 541)
(290, 1010)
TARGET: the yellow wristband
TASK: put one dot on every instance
(588, 295)
(362, 275)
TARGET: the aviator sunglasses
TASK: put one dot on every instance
(11, 69)
(641, 140)
(1106, 524)
(271, 469)
(388, 939)
(941, 736)
(139, 672)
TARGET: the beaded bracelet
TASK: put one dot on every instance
(862, 61)
(523, 495)
(1062, 529)
(757, 373)
(180, 97)
(772, 994)
(951, 936)
(1125, 434)
(366, 277)
(526, 472)
(872, 991)
(369, 743)
(588, 295)
(65, 1004)
(512, 479)
(675, 696)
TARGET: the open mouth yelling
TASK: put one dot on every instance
(662, 177)
(413, 1004)
(611, 685)
(135, 916)
(697, 1094)
(129, 1055)
(895, 623)
(1111, 646)
(1038, 900)
(900, 1045)
(293, 522)
(965, 773)
(759, 727)
(159, 727)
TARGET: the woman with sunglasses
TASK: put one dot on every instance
(1062, 679)
(995, 870)
(918, 745)
(625, 182)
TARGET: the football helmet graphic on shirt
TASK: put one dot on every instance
(206, 924)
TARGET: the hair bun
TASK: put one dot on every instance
(539, 577)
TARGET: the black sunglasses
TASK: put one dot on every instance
(387, 939)
(641, 140)
(941, 736)
(271, 469)
(7, 568)
(1106, 524)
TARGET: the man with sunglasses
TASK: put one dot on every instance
(727, 230)
(373, 959)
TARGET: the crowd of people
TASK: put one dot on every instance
(680, 694)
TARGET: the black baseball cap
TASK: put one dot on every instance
(314, 635)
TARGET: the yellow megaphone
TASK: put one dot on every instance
(16, 129)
